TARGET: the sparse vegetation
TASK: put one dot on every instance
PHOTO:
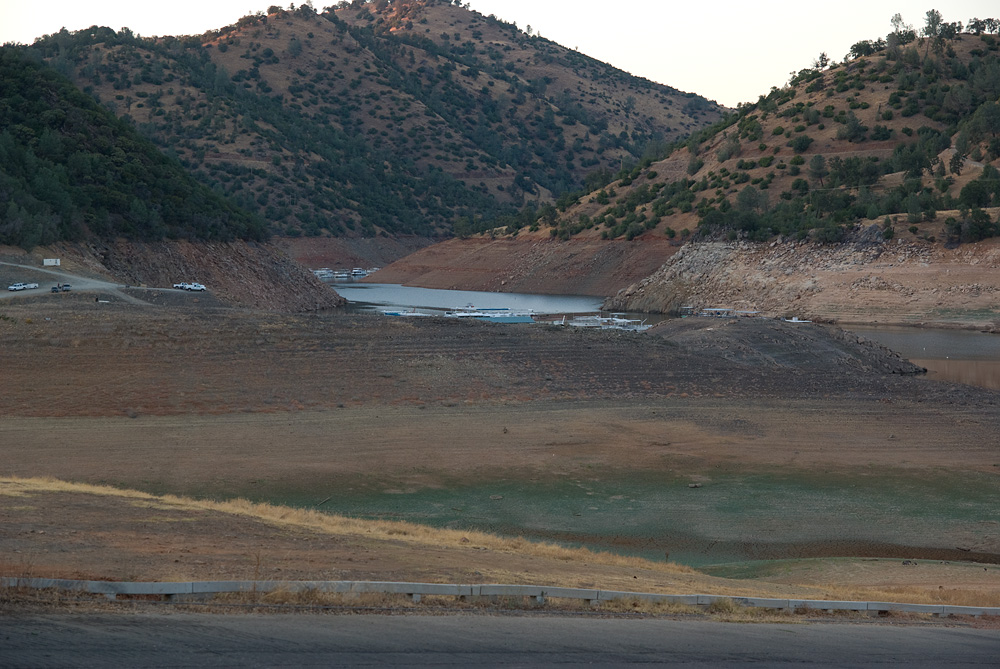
(354, 122)
(876, 95)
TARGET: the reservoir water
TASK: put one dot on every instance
(959, 356)
(378, 296)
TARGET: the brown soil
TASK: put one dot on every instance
(531, 264)
(347, 253)
(258, 276)
(221, 402)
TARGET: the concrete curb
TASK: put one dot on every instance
(539, 594)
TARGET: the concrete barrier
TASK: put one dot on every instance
(762, 603)
(886, 607)
(824, 605)
(112, 589)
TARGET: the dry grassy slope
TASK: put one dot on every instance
(530, 263)
(867, 104)
(381, 108)
(775, 278)
(328, 78)
(598, 87)
(905, 281)
(68, 530)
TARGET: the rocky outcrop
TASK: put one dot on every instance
(862, 281)
(241, 273)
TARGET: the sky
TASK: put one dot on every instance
(725, 50)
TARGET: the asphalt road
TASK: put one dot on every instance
(192, 640)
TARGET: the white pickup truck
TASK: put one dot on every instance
(21, 286)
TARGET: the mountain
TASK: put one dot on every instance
(87, 188)
(863, 191)
(70, 170)
(901, 135)
(407, 118)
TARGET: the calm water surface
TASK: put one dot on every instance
(378, 296)
(959, 356)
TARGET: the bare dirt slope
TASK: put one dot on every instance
(237, 273)
(903, 281)
(530, 264)
(347, 253)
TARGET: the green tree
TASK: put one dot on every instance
(932, 31)
(818, 169)
(752, 200)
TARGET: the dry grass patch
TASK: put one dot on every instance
(639, 605)
(916, 595)
(727, 610)
(317, 521)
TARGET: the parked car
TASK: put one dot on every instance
(196, 286)
(181, 286)
(22, 286)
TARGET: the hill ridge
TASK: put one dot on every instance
(328, 125)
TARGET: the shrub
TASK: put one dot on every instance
(778, 131)
(801, 143)
(880, 132)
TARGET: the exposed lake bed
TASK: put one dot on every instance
(702, 438)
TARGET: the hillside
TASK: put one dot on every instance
(404, 120)
(882, 164)
(70, 170)
(904, 132)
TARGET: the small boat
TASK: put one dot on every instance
(492, 315)
(324, 274)
(412, 313)
(613, 322)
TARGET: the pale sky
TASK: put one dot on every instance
(727, 51)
